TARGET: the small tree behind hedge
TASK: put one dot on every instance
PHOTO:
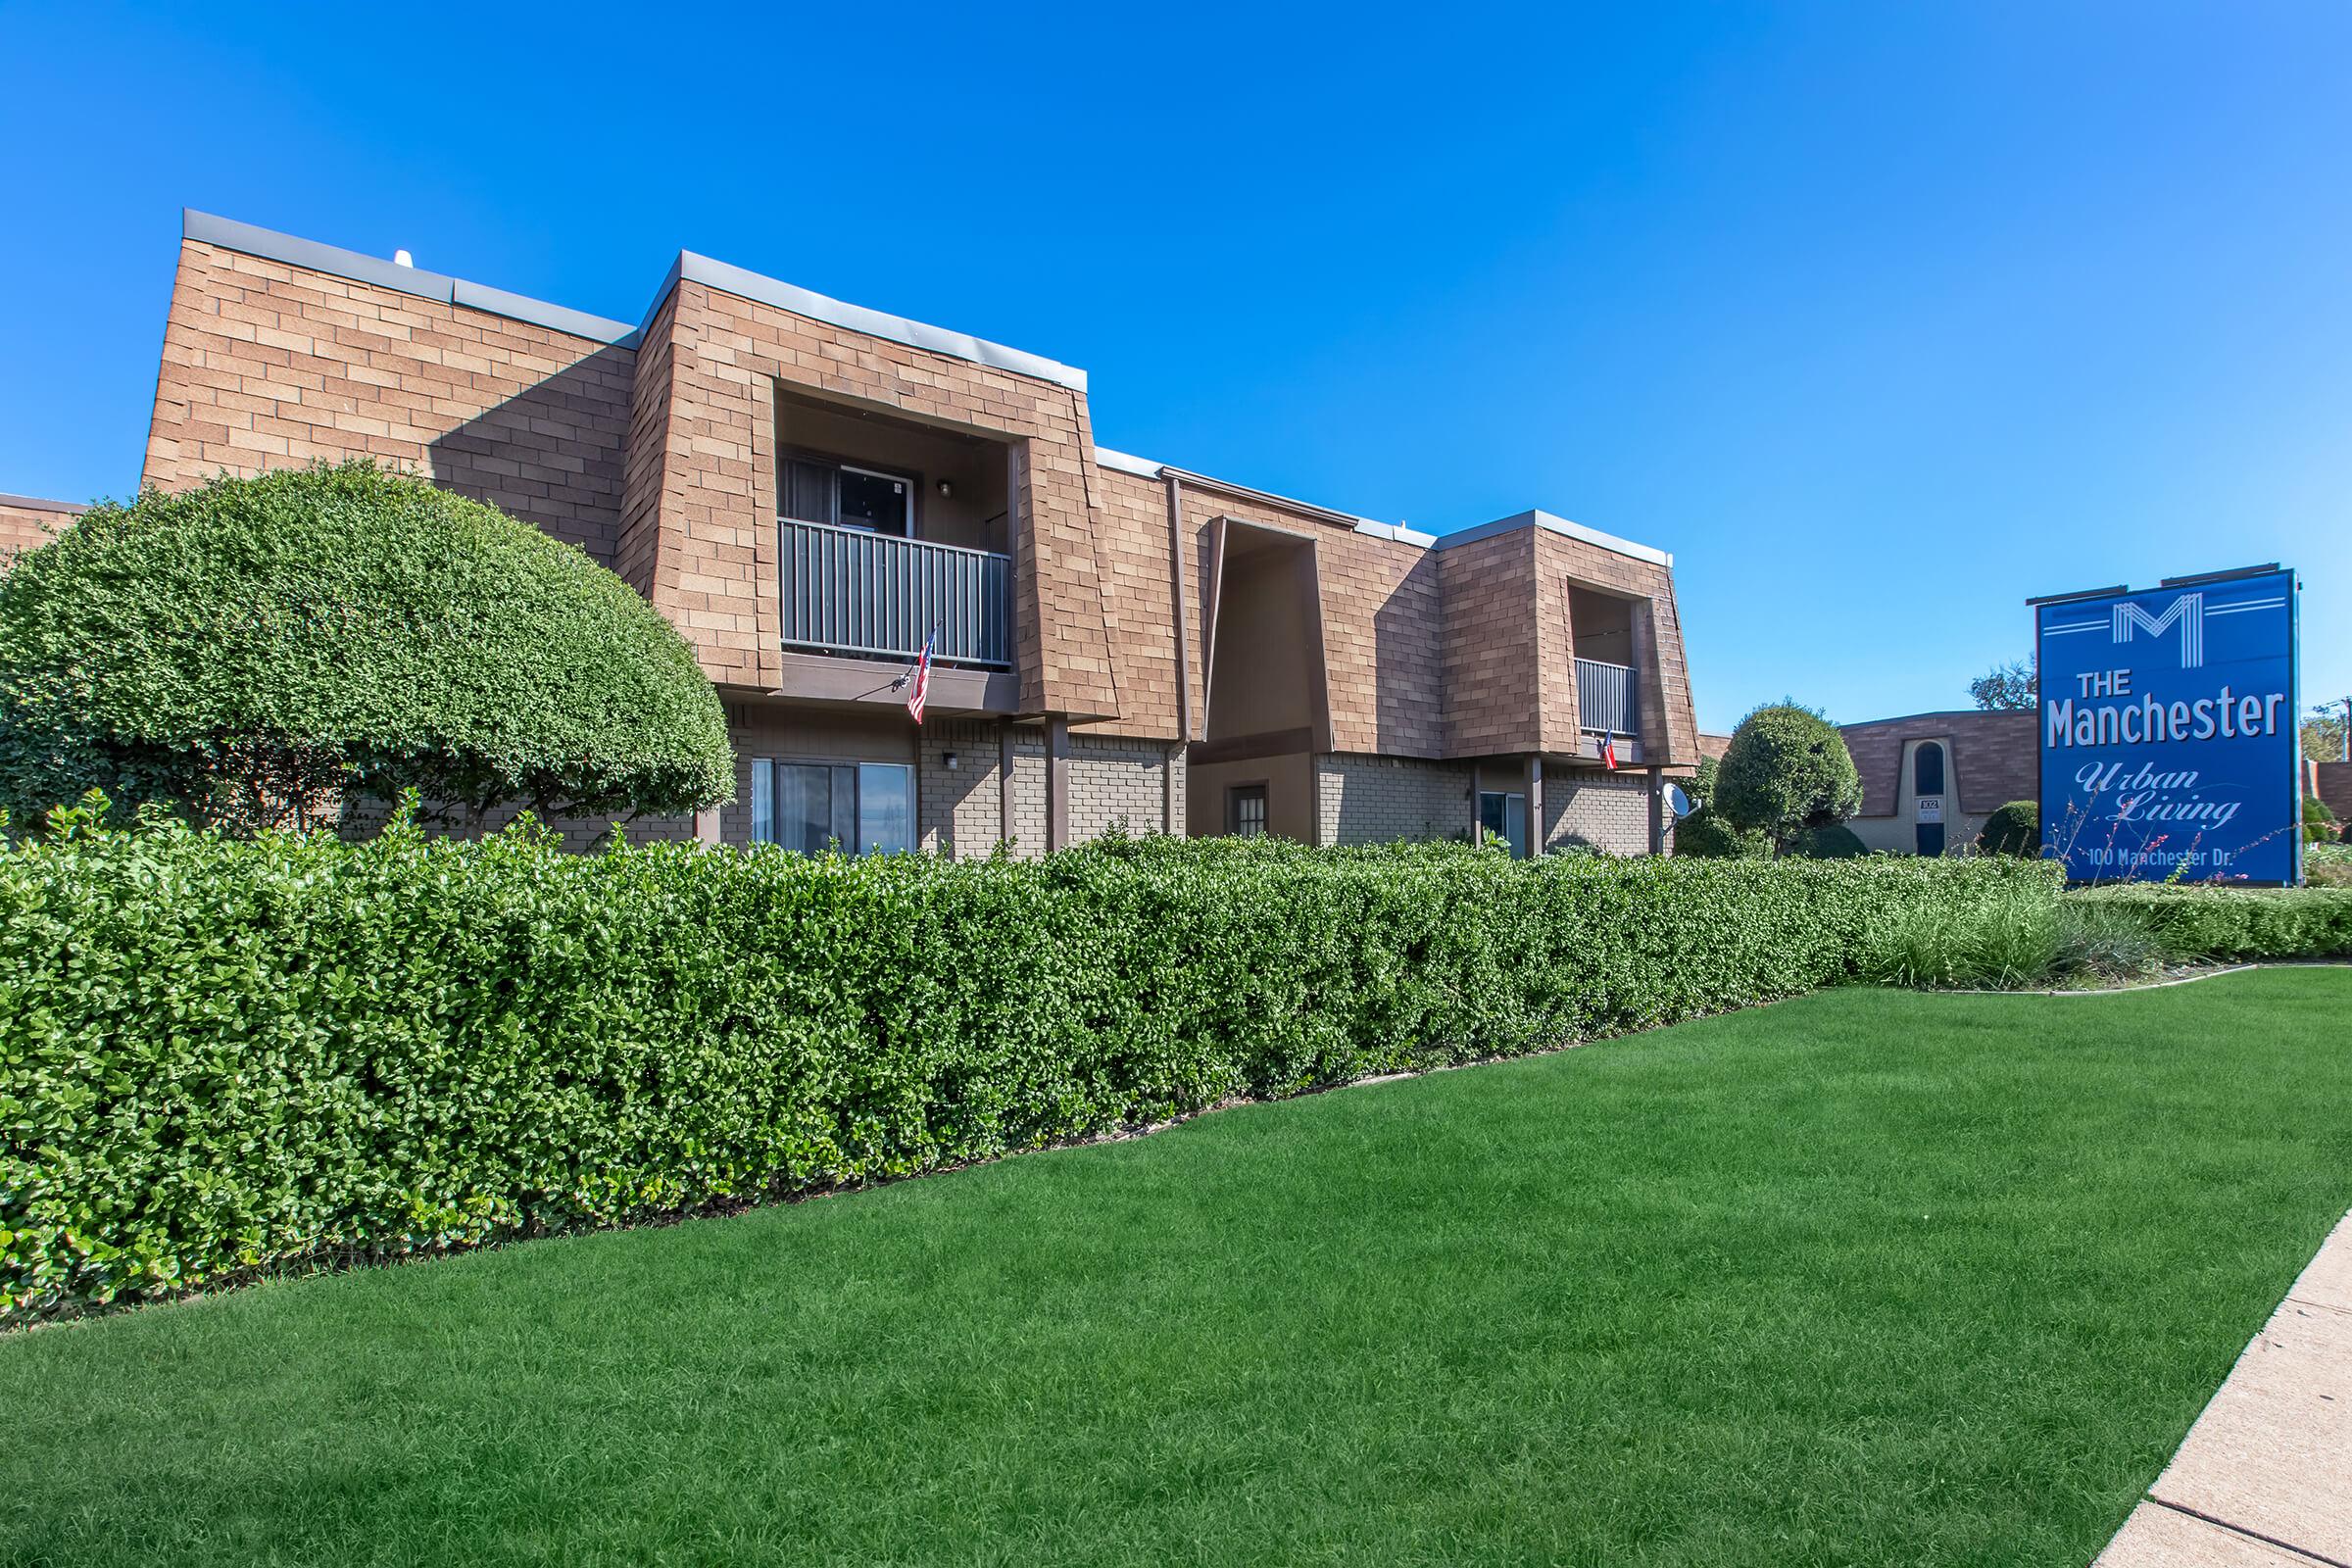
(246, 652)
(1787, 770)
(2014, 829)
(1706, 834)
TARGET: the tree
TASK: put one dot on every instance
(256, 650)
(1787, 770)
(1704, 834)
(2007, 688)
(2324, 734)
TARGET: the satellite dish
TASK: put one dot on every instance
(1679, 802)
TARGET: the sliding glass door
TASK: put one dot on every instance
(865, 808)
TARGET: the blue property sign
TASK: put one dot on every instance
(2168, 730)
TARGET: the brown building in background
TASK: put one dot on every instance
(809, 489)
(1930, 780)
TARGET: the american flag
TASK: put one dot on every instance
(1608, 750)
(922, 678)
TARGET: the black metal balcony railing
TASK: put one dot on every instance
(1608, 702)
(849, 591)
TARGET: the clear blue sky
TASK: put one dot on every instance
(1880, 317)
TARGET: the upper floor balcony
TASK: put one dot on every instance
(852, 591)
(891, 532)
(1608, 699)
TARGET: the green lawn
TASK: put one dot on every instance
(1869, 1277)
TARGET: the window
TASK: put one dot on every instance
(1503, 814)
(1930, 838)
(1926, 768)
(812, 489)
(1245, 811)
(867, 808)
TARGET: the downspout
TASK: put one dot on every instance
(1173, 813)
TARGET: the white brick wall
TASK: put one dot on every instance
(1606, 811)
(1116, 782)
(1377, 799)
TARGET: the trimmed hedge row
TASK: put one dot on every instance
(225, 1056)
(2207, 922)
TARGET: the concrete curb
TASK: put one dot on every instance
(2265, 1476)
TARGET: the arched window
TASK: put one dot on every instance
(1926, 768)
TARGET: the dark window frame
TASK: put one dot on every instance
(855, 845)
(787, 455)
(1918, 768)
(1259, 790)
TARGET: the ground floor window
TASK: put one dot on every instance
(866, 807)
(1503, 814)
(1245, 811)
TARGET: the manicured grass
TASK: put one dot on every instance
(1869, 1277)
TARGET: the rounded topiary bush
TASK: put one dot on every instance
(1787, 770)
(1704, 834)
(2319, 823)
(1835, 842)
(250, 651)
(2014, 829)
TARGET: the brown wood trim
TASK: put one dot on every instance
(1246, 748)
(823, 679)
(1533, 787)
(1657, 813)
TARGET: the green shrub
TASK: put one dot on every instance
(2229, 923)
(2014, 829)
(228, 1055)
(252, 650)
(1836, 842)
(1787, 769)
(2319, 823)
(2328, 865)
(1706, 835)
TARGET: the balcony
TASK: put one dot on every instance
(1607, 700)
(874, 595)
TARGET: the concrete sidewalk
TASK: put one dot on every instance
(2265, 1477)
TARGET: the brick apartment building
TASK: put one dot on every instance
(1930, 780)
(807, 489)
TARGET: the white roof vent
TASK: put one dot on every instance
(401, 258)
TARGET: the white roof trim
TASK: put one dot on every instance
(1563, 528)
(750, 285)
(1142, 468)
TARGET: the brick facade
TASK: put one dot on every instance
(1597, 810)
(657, 450)
(1379, 800)
(27, 522)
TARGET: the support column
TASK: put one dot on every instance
(1171, 802)
(1058, 783)
(1657, 810)
(1004, 783)
(1478, 834)
(1535, 805)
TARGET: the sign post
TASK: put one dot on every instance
(2169, 743)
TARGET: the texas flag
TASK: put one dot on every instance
(1608, 751)
(922, 678)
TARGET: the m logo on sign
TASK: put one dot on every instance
(2188, 609)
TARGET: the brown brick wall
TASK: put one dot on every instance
(267, 366)
(717, 485)
(1492, 657)
(1669, 722)
(1381, 615)
(26, 523)
(1992, 762)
